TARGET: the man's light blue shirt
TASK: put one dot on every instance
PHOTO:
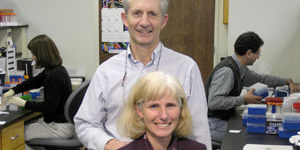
(96, 120)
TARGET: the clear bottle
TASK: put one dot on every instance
(278, 111)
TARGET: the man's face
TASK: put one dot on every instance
(253, 57)
(144, 21)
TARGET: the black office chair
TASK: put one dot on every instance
(72, 105)
(216, 145)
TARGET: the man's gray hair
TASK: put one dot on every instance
(164, 6)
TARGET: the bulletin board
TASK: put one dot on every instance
(115, 36)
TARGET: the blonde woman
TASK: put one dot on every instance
(156, 115)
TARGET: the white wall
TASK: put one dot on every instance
(221, 34)
(72, 24)
(278, 24)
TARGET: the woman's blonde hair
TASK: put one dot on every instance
(153, 86)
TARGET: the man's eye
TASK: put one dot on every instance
(152, 14)
(137, 13)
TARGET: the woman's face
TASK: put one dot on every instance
(160, 116)
(33, 57)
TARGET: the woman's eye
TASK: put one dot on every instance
(171, 105)
(154, 106)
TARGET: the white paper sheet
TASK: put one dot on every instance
(267, 147)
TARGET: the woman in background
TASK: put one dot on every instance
(156, 115)
(57, 88)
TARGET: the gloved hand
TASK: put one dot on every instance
(295, 139)
(7, 95)
(17, 101)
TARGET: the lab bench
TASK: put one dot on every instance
(236, 141)
(12, 132)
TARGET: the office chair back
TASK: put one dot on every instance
(74, 101)
(71, 107)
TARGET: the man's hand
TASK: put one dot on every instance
(114, 144)
(17, 101)
(293, 86)
(249, 98)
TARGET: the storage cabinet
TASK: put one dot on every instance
(18, 34)
(12, 137)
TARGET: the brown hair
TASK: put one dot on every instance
(46, 52)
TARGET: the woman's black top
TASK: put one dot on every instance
(142, 143)
(57, 88)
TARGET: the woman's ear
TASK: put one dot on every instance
(139, 111)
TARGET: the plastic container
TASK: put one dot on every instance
(269, 107)
(287, 105)
(272, 127)
(257, 119)
(245, 117)
(8, 19)
(257, 109)
(256, 128)
(35, 93)
(290, 117)
(273, 107)
(296, 107)
(260, 90)
(278, 108)
(291, 126)
(286, 133)
(273, 99)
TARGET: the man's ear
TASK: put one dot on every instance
(124, 19)
(249, 51)
(164, 21)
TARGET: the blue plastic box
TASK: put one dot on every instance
(291, 126)
(257, 109)
(256, 128)
(286, 133)
(260, 90)
(258, 119)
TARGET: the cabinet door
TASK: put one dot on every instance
(21, 147)
(13, 136)
(190, 30)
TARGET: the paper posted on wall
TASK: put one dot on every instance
(11, 60)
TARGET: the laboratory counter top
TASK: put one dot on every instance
(236, 141)
(17, 115)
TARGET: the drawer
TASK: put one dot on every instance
(22, 147)
(13, 136)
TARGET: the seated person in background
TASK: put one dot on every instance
(156, 115)
(57, 88)
(224, 86)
